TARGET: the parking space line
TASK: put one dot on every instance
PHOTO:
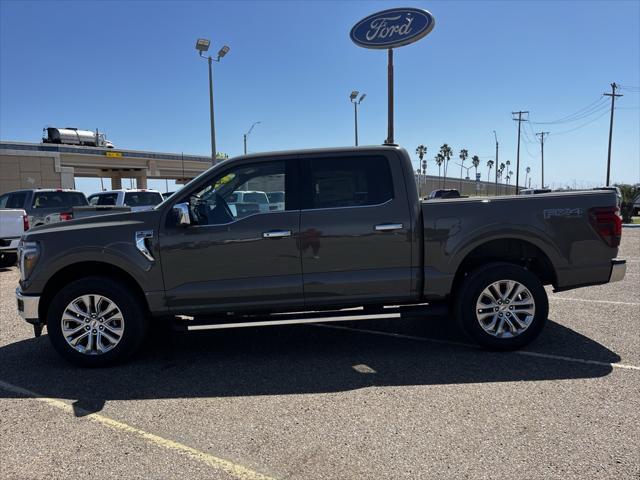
(233, 469)
(573, 299)
(470, 345)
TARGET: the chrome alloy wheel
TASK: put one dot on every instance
(92, 324)
(505, 309)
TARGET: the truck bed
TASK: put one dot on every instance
(553, 227)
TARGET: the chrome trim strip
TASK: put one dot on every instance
(266, 323)
(618, 270)
(30, 305)
(351, 206)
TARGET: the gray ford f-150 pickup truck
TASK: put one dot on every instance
(351, 232)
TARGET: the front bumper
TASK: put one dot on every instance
(618, 270)
(28, 306)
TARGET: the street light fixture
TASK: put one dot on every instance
(352, 98)
(202, 45)
(247, 134)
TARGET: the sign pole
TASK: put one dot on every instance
(390, 97)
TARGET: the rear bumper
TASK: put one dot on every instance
(27, 306)
(618, 270)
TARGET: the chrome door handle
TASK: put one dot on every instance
(277, 234)
(388, 227)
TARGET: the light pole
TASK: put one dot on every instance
(246, 135)
(355, 102)
(202, 45)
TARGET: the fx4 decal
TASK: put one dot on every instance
(563, 212)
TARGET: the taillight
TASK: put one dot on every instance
(66, 216)
(25, 222)
(607, 223)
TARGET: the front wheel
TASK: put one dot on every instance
(502, 306)
(95, 322)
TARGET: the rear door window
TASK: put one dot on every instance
(346, 182)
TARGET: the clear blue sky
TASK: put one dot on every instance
(130, 69)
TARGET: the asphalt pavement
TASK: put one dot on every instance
(362, 400)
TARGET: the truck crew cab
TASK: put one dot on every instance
(352, 233)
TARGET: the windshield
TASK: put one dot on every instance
(139, 199)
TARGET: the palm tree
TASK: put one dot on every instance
(446, 152)
(439, 159)
(490, 164)
(501, 170)
(464, 153)
(421, 151)
(475, 161)
(527, 171)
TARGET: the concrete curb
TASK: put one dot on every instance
(631, 225)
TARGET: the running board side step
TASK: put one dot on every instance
(311, 317)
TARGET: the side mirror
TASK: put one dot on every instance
(181, 211)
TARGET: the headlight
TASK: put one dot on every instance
(28, 254)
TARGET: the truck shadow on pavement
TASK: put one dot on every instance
(293, 360)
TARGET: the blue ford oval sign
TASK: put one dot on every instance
(392, 28)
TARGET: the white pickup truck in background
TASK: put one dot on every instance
(13, 223)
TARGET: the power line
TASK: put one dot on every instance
(578, 115)
(583, 125)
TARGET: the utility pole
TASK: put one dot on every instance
(389, 139)
(541, 135)
(519, 120)
(496, 137)
(613, 96)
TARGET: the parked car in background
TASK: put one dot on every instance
(276, 200)
(13, 223)
(42, 202)
(136, 199)
(167, 195)
(259, 198)
(444, 194)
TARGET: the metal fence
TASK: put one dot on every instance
(427, 183)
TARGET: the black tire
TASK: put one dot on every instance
(135, 320)
(8, 259)
(473, 286)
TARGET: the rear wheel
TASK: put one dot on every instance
(502, 306)
(95, 322)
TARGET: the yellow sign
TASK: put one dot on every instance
(114, 154)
